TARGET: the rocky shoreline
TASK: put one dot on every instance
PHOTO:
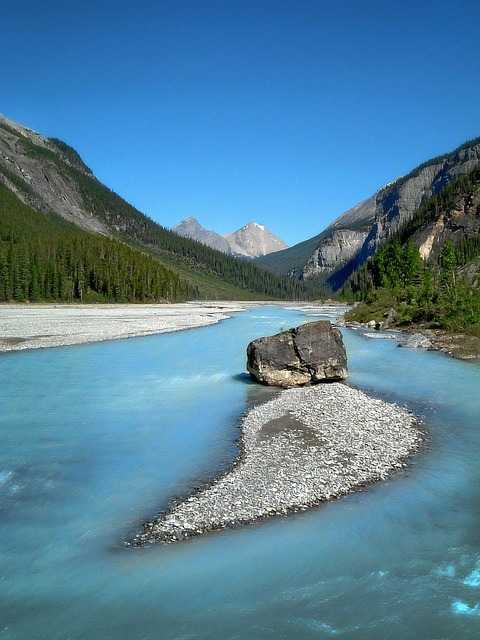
(461, 346)
(456, 345)
(302, 448)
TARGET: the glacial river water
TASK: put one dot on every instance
(97, 438)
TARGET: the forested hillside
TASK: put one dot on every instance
(134, 227)
(428, 272)
(45, 258)
(50, 176)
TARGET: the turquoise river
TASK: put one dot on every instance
(97, 438)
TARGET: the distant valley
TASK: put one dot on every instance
(66, 236)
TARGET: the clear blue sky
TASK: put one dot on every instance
(286, 113)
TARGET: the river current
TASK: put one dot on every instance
(97, 438)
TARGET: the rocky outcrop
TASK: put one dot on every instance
(254, 240)
(191, 228)
(455, 223)
(311, 353)
(321, 255)
(335, 250)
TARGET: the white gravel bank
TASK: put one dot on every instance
(301, 448)
(28, 326)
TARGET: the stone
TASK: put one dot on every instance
(390, 317)
(311, 353)
(416, 341)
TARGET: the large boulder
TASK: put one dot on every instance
(311, 353)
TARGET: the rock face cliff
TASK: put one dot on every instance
(340, 245)
(254, 240)
(334, 254)
(456, 221)
(191, 228)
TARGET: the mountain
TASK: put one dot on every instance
(427, 272)
(191, 228)
(357, 234)
(250, 241)
(50, 179)
(254, 240)
(321, 255)
(449, 218)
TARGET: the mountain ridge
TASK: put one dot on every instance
(250, 241)
(253, 240)
(191, 228)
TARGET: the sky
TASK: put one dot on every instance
(286, 113)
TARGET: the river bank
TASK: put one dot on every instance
(33, 326)
(461, 346)
(301, 448)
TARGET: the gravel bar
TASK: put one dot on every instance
(302, 448)
(33, 326)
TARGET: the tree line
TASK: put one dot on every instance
(44, 258)
(437, 293)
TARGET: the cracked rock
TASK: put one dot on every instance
(308, 354)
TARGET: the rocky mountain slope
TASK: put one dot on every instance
(49, 177)
(347, 243)
(321, 255)
(250, 241)
(453, 216)
(254, 240)
(425, 276)
(191, 228)
(445, 225)
(41, 172)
